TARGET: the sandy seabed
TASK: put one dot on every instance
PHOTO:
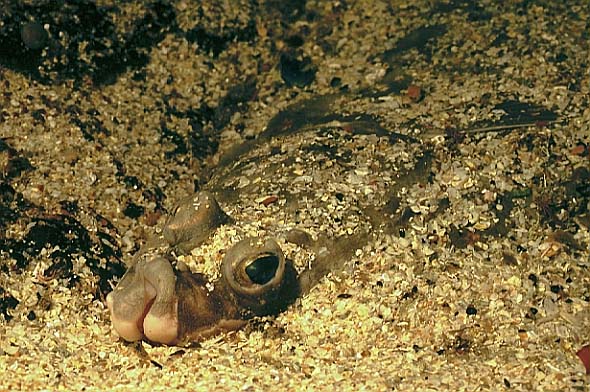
(475, 275)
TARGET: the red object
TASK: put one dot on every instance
(269, 200)
(579, 149)
(414, 92)
(584, 355)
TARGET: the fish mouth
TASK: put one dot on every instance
(159, 322)
(137, 321)
(128, 316)
(149, 299)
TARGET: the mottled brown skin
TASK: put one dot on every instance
(203, 313)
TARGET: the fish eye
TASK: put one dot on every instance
(262, 269)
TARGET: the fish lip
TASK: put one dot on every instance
(130, 328)
(141, 318)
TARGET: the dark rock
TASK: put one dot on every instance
(7, 303)
(34, 35)
(133, 210)
(296, 72)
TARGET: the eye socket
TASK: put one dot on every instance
(254, 268)
(259, 277)
(263, 269)
(194, 219)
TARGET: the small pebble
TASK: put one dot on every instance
(33, 35)
(414, 92)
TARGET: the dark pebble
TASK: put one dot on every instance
(133, 210)
(555, 288)
(132, 182)
(533, 278)
(335, 82)
(295, 72)
(471, 311)
(7, 302)
(33, 35)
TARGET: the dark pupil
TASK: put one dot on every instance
(263, 269)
